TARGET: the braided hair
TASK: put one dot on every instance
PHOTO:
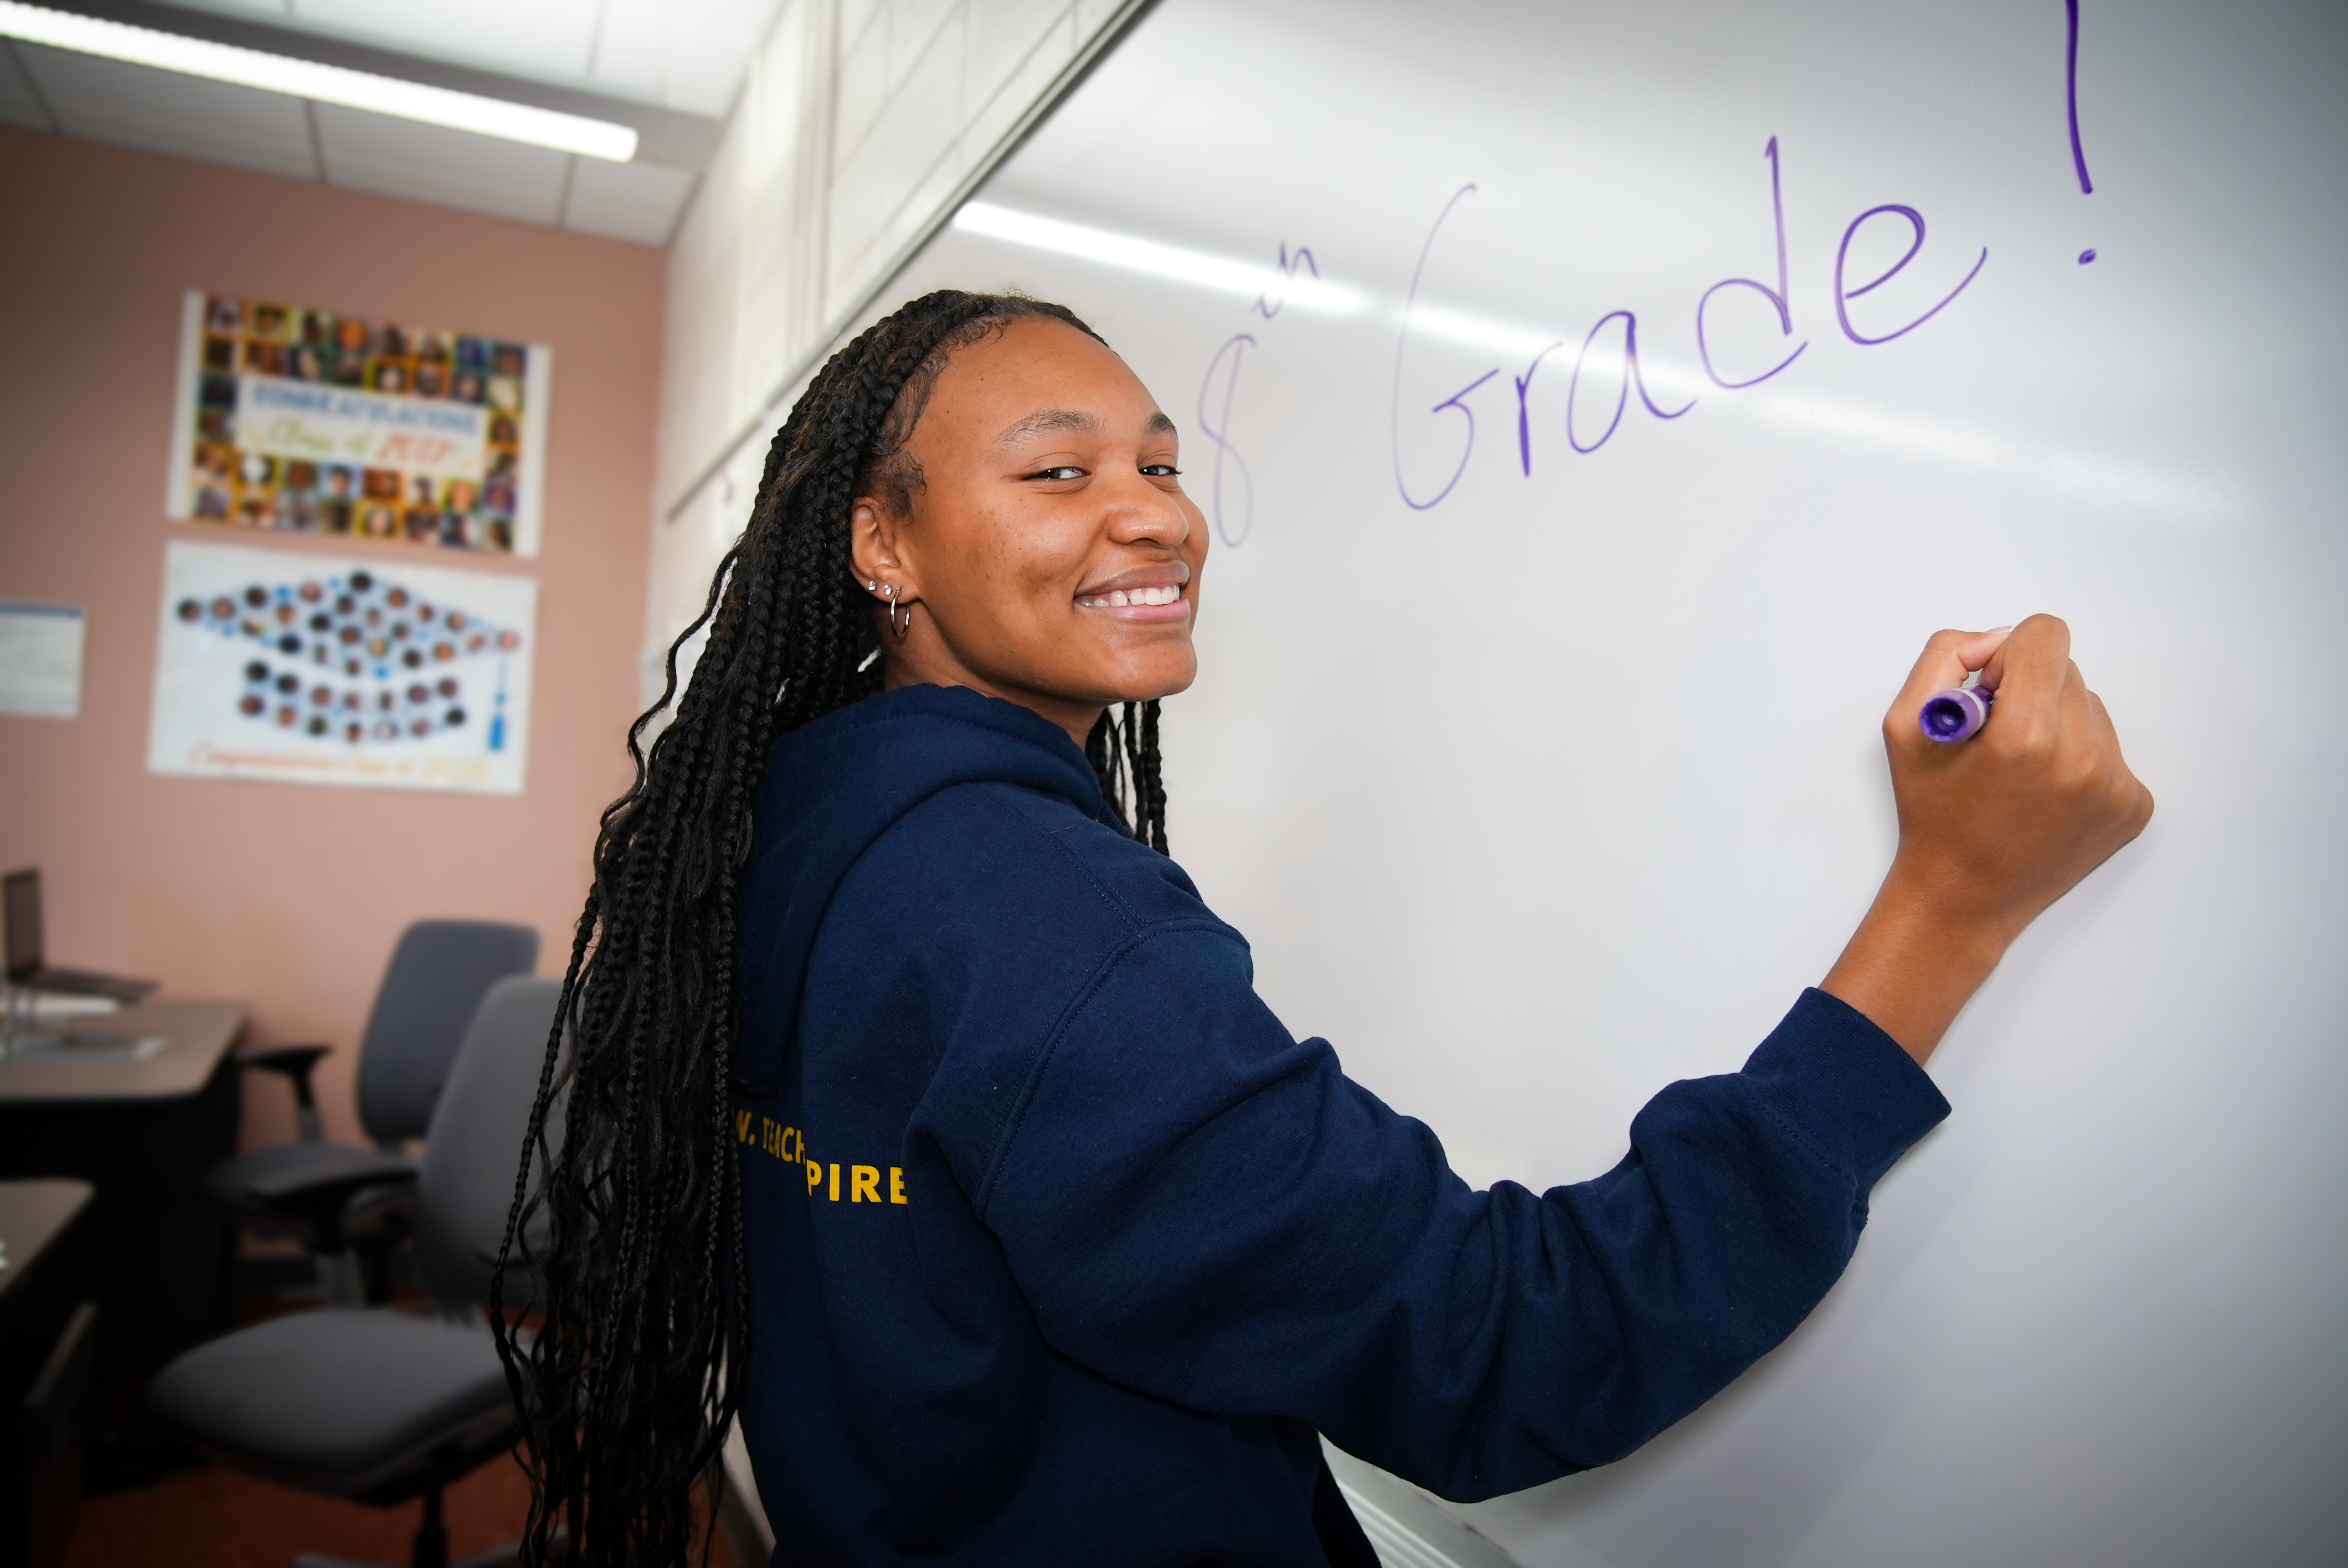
(624, 1351)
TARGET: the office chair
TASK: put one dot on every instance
(311, 1189)
(381, 1405)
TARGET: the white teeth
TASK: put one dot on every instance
(1121, 598)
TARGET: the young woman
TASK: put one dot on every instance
(920, 1112)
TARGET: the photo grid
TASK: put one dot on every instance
(288, 494)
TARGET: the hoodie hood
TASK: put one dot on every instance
(833, 787)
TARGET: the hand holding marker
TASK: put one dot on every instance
(1990, 835)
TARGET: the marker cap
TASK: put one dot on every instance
(1954, 715)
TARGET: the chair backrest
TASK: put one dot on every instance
(437, 976)
(475, 1148)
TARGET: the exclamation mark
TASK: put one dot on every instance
(2078, 151)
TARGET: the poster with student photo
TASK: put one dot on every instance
(298, 420)
(312, 668)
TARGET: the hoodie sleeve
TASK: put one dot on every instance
(1203, 1208)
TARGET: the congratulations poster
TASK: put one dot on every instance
(314, 669)
(304, 421)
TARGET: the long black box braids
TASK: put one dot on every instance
(1123, 751)
(619, 1305)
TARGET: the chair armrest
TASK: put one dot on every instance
(320, 1191)
(385, 1212)
(291, 1062)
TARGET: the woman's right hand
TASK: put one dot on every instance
(1992, 830)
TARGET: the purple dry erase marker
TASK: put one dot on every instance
(1955, 715)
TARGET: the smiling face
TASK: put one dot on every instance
(1041, 534)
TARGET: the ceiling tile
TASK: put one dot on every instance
(451, 168)
(162, 111)
(638, 201)
(540, 38)
(18, 104)
(631, 51)
(259, 10)
(706, 45)
(685, 54)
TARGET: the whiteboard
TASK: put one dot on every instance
(1534, 749)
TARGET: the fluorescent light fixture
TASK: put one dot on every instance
(322, 84)
(1247, 280)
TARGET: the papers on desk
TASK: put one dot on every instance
(89, 1047)
(51, 1004)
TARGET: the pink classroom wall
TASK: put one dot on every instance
(289, 897)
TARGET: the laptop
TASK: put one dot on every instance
(28, 963)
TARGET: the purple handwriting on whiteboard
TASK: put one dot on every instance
(2071, 99)
(1844, 294)
(1455, 403)
(1231, 493)
(1615, 337)
(1231, 490)
(2071, 93)
(1267, 307)
(1777, 296)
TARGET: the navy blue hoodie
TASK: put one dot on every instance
(1062, 1248)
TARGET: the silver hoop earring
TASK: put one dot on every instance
(890, 589)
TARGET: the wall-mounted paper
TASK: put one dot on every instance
(305, 421)
(319, 670)
(40, 660)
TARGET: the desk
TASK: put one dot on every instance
(44, 1368)
(33, 1215)
(199, 1033)
(143, 1132)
